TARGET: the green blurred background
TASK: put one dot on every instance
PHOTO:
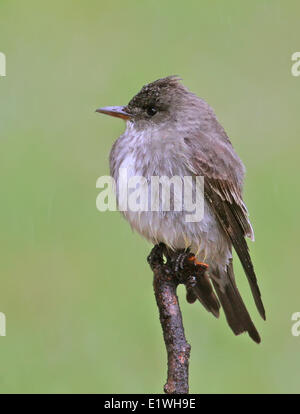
(75, 285)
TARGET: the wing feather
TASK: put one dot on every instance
(223, 177)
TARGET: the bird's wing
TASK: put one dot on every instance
(222, 191)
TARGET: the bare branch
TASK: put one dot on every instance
(170, 317)
(178, 349)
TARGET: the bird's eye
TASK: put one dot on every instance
(151, 110)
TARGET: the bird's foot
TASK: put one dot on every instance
(156, 256)
(184, 259)
(186, 267)
(181, 263)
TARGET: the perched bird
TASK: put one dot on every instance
(172, 132)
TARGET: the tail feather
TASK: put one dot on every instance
(235, 310)
(203, 291)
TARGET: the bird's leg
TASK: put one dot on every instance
(179, 259)
(188, 271)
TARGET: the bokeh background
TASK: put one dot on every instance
(74, 284)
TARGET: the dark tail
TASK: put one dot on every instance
(202, 290)
(235, 310)
(240, 245)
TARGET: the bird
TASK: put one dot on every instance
(170, 131)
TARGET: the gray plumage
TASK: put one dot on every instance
(171, 132)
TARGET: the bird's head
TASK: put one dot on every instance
(157, 103)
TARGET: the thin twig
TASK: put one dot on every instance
(178, 349)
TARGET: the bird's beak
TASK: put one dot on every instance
(117, 111)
